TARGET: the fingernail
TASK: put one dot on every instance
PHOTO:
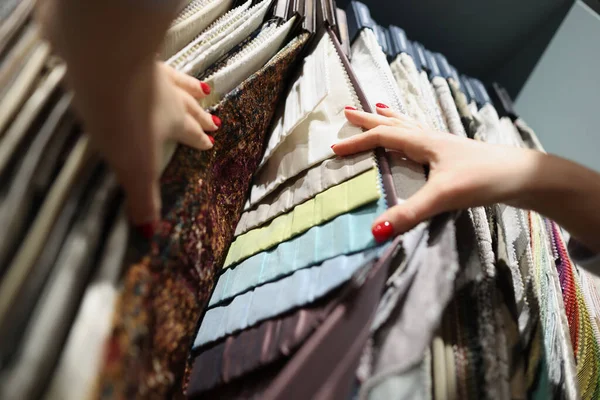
(381, 105)
(332, 146)
(205, 87)
(350, 108)
(216, 120)
(212, 139)
(382, 231)
(146, 230)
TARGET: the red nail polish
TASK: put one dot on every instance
(381, 105)
(212, 139)
(146, 230)
(382, 231)
(216, 120)
(205, 87)
(332, 146)
(350, 108)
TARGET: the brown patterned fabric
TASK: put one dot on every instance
(203, 196)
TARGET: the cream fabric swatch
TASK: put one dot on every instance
(492, 133)
(249, 60)
(510, 133)
(407, 78)
(329, 173)
(448, 106)
(432, 105)
(27, 114)
(308, 91)
(325, 206)
(19, 72)
(310, 142)
(192, 20)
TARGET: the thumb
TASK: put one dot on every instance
(403, 217)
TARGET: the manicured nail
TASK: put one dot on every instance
(381, 105)
(217, 121)
(205, 87)
(382, 231)
(350, 108)
(146, 230)
(212, 139)
(332, 146)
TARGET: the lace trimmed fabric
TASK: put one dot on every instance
(203, 196)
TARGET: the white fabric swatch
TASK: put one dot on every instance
(448, 106)
(319, 178)
(310, 142)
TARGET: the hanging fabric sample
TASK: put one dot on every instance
(315, 180)
(325, 206)
(309, 143)
(203, 196)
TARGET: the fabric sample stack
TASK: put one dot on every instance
(263, 279)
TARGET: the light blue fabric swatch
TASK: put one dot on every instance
(301, 288)
(346, 234)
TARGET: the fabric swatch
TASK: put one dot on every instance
(302, 287)
(254, 348)
(29, 374)
(192, 20)
(473, 127)
(310, 142)
(528, 135)
(448, 106)
(76, 372)
(352, 232)
(225, 39)
(203, 193)
(407, 78)
(307, 92)
(249, 60)
(432, 104)
(425, 286)
(370, 65)
(315, 180)
(343, 198)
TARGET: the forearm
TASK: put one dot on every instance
(110, 40)
(567, 193)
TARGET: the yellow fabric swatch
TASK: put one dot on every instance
(340, 199)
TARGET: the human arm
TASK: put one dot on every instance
(465, 173)
(130, 104)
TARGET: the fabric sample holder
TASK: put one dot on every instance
(351, 232)
(192, 20)
(203, 194)
(249, 60)
(310, 142)
(325, 206)
(315, 180)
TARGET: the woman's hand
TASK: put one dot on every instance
(463, 173)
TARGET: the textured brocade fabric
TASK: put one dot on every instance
(203, 196)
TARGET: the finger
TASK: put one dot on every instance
(207, 121)
(401, 218)
(367, 120)
(389, 113)
(143, 204)
(414, 146)
(399, 119)
(191, 85)
(193, 135)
